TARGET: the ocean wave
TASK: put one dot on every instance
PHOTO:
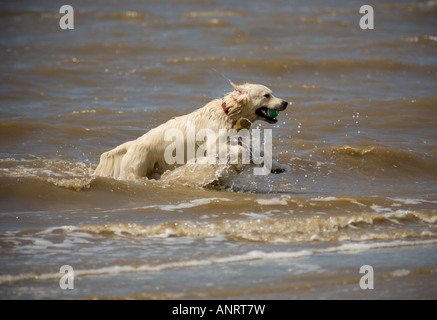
(275, 65)
(253, 255)
(325, 162)
(410, 6)
(421, 39)
(212, 14)
(379, 158)
(25, 128)
(325, 22)
(122, 15)
(373, 223)
(77, 175)
(65, 174)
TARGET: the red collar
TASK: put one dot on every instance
(225, 108)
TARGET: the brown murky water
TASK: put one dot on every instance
(360, 138)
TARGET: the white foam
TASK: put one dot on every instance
(325, 199)
(182, 205)
(261, 255)
(407, 201)
(358, 247)
(412, 201)
(84, 111)
(400, 273)
(190, 204)
(254, 215)
(380, 209)
(393, 215)
(273, 201)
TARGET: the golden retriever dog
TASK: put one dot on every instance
(145, 156)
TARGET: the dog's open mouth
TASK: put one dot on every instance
(269, 115)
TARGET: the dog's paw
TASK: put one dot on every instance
(279, 168)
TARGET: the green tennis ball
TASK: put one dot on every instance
(272, 113)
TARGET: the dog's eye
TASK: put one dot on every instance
(267, 96)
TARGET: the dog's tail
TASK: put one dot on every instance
(110, 162)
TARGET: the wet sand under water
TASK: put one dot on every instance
(360, 139)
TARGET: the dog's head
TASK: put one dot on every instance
(256, 102)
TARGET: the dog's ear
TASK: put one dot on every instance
(239, 94)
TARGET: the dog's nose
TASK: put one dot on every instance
(284, 104)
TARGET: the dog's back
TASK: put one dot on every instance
(144, 157)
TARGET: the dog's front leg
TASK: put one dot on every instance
(263, 156)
